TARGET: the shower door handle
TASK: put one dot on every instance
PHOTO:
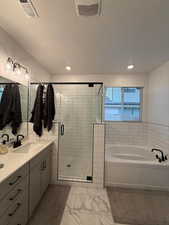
(62, 129)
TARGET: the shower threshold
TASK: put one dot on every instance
(73, 179)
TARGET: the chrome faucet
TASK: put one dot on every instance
(7, 138)
(162, 158)
(18, 143)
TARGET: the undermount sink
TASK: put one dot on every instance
(26, 147)
(1, 165)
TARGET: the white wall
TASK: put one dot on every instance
(158, 95)
(9, 48)
(108, 80)
(116, 80)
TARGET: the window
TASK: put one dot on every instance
(1, 92)
(122, 104)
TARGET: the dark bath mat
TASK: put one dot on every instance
(51, 207)
(139, 207)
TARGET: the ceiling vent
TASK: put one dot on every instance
(29, 8)
(88, 7)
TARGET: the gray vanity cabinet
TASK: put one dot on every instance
(45, 172)
(34, 188)
(14, 198)
(39, 178)
(21, 192)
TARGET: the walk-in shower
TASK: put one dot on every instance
(78, 108)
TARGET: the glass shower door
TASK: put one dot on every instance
(77, 110)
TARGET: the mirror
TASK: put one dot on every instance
(24, 93)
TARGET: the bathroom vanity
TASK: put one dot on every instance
(39, 175)
(23, 181)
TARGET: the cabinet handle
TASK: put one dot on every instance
(15, 181)
(62, 128)
(15, 210)
(17, 193)
(42, 166)
(45, 164)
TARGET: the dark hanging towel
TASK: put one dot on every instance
(10, 108)
(49, 108)
(37, 112)
(5, 106)
(16, 113)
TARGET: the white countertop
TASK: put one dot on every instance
(14, 160)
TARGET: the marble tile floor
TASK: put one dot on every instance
(62, 205)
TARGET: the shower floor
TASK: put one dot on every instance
(77, 171)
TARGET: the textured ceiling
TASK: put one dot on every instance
(128, 31)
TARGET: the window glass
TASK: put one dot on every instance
(122, 104)
(1, 92)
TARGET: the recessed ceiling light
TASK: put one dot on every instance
(130, 67)
(68, 68)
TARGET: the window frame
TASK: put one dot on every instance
(122, 95)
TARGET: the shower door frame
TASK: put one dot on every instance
(59, 123)
(59, 134)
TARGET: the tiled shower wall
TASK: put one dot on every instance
(158, 136)
(141, 134)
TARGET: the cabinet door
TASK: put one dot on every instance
(35, 187)
(45, 173)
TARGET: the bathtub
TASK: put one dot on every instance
(135, 167)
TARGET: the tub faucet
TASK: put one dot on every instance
(163, 157)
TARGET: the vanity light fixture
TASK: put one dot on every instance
(130, 67)
(27, 77)
(9, 64)
(68, 68)
(15, 66)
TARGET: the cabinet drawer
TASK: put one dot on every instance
(39, 157)
(17, 193)
(13, 180)
(16, 213)
(21, 218)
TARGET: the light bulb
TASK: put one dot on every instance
(18, 70)
(68, 68)
(27, 77)
(130, 67)
(9, 64)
